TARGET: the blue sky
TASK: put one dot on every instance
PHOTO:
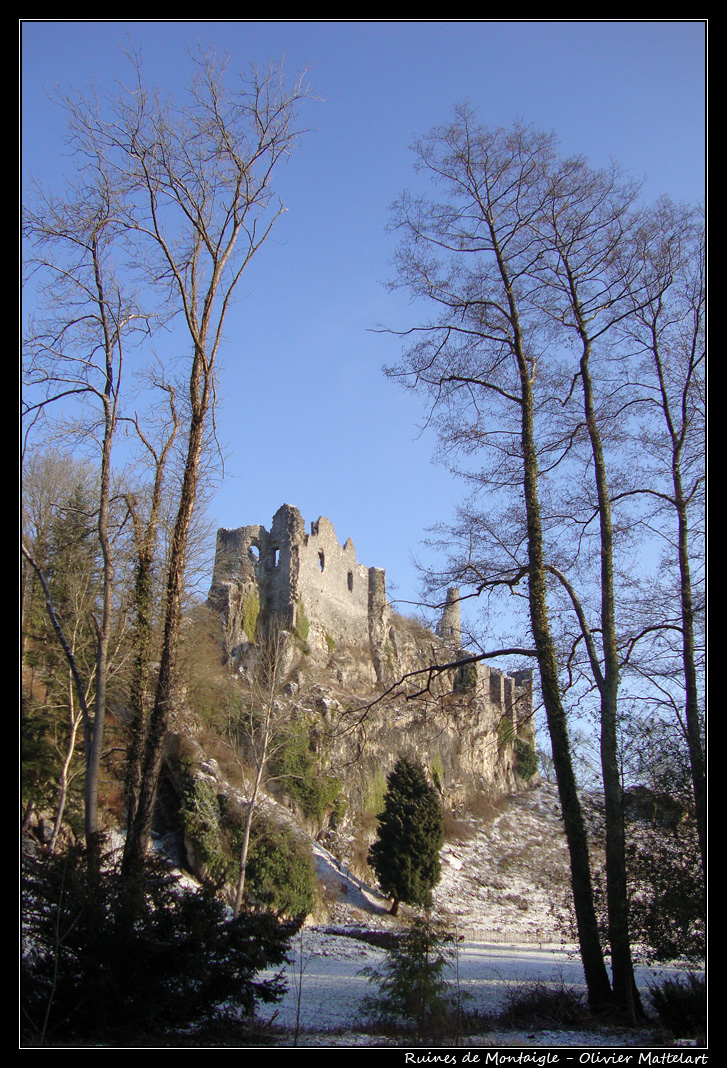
(307, 416)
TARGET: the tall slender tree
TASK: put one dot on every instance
(588, 217)
(198, 179)
(543, 273)
(666, 328)
(74, 353)
(184, 191)
(469, 254)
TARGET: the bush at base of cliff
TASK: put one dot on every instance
(297, 768)
(526, 761)
(280, 874)
(106, 961)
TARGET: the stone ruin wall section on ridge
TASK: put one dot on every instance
(292, 570)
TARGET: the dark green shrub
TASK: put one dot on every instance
(667, 920)
(296, 767)
(681, 1004)
(204, 825)
(405, 855)
(541, 1004)
(667, 894)
(505, 732)
(526, 761)
(105, 959)
(412, 985)
(280, 874)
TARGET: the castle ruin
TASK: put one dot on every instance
(307, 584)
(296, 580)
(290, 578)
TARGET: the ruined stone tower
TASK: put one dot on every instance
(450, 625)
(292, 578)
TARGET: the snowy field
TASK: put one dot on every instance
(332, 990)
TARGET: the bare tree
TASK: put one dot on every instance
(197, 177)
(529, 258)
(586, 220)
(73, 358)
(666, 328)
(471, 254)
(184, 192)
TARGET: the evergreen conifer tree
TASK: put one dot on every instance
(405, 855)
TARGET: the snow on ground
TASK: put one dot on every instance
(503, 892)
(507, 873)
(327, 967)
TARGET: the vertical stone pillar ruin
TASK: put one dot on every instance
(450, 625)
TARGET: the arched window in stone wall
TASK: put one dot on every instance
(321, 559)
(275, 556)
(350, 581)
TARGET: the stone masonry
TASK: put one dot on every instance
(297, 576)
(308, 584)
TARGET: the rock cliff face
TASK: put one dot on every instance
(357, 673)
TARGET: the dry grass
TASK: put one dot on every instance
(456, 830)
(485, 808)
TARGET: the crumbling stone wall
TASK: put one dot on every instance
(298, 575)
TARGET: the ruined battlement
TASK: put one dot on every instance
(296, 576)
(303, 581)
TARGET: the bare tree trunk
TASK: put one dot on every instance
(693, 726)
(146, 547)
(93, 835)
(677, 422)
(139, 831)
(251, 801)
(599, 988)
(624, 984)
(600, 994)
(65, 778)
(261, 740)
(477, 256)
(83, 228)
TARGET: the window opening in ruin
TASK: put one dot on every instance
(321, 560)
(254, 553)
(276, 557)
(350, 580)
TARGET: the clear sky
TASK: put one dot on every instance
(307, 416)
